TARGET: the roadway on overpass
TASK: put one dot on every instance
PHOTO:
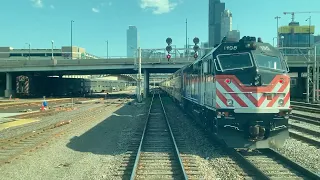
(111, 66)
(94, 66)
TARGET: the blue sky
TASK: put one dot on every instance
(40, 21)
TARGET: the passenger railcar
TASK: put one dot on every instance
(240, 91)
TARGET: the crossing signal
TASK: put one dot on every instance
(169, 48)
(196, 40)
(196, 47)
(168, 57)
(169, 41)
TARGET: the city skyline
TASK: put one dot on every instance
(132, 41)
(39, 25)
(216, 8)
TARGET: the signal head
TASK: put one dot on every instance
(169, 48)
(195, 48)
(168, 40)
(195, 55)
(168, 56)
(196, 40)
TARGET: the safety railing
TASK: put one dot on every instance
(82, 62)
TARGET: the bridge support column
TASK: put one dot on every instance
(146, 83)
(8, 92)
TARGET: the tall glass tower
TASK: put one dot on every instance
(132, 41)
(216, 8)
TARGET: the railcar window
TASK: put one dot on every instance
(270, 62)
(293, 82)
(235, 61)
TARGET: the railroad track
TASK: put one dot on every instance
(156, 154)
(37, 102)
(305, 129)
(306, 107)
(305, 118)
(305, 104)
(13, 148)
(269, 164)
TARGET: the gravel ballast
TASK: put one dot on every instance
(212, 161)
(93, 151)
(302, 153)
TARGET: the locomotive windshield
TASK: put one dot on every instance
(235, 61)
(269, 62)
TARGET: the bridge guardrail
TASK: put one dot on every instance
(83, 62)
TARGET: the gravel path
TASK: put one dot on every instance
(213, 162)
(93, 151)
(302, 153)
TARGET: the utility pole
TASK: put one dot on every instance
(107, 41)
(139, 76)
(29, 44)
(72, 21)
(277, 18)
(186, 36)
(309, 30)
(52, 50)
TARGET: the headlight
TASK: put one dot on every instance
(229, 102)
(280, 102)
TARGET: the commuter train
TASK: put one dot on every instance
(239, 91)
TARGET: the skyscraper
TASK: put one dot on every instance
(234, 34)
(132, 41)
(216, 8)
(226, 23)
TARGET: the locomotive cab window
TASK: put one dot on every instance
(234, 61)
(270, 62)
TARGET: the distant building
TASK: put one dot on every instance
(45, 54)
(132, 41)
(226, 23)
(152, 54)
(216, 8)
(295, 35)
(234, 34)
(203, 46)
(317, 39)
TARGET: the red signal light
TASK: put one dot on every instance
(168, 56)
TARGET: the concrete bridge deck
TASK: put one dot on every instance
(126, 65)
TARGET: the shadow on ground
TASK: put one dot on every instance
(108, 136)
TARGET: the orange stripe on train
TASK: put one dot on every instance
(243, 88)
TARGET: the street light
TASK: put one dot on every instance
(186, 36)
(52, 50)
(29, 49)
(277, 18)
(107, 49)
(309, 30)
(72, 21)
